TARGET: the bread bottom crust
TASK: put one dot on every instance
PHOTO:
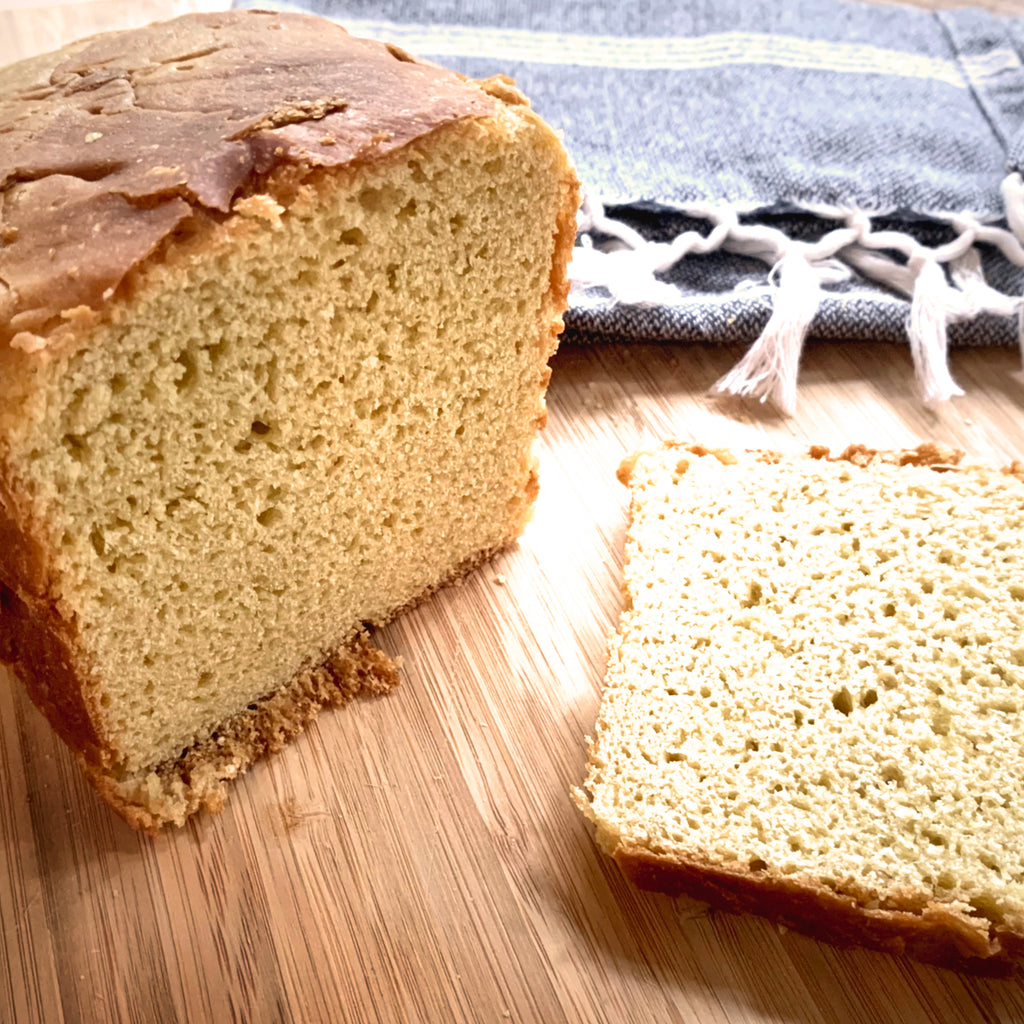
(936, 934)
(198, 780)
(169, 793)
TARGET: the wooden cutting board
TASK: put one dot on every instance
(418, 857)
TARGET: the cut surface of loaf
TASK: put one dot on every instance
(814, 702)
(276, 309)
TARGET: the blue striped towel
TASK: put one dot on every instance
(757, 170)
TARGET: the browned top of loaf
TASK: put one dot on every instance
(109, 144)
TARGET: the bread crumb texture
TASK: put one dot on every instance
(293, 422)
(813, 703)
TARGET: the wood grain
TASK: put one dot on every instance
(418, 857)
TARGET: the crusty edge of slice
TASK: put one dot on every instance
(169, 793)
(938, 933)
(938, 457)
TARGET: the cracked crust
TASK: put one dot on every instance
(303, 94)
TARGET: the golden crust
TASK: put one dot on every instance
(198, 780)
(40, 646)
(69, 118)
(928, 453)
(936, 933)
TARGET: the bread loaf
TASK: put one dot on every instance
(276, 308)
(814, 703)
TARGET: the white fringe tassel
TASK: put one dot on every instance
(628, 269)
(1013, 203)
(769, 369)
(926, 331)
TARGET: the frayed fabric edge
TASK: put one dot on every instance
(945, 284)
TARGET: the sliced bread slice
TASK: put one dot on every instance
(813, 702)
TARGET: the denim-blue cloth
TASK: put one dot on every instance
(773, 107)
